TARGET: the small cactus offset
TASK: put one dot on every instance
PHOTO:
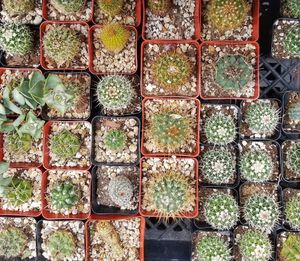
(256, 166)
(293, 8)
(115, 139)
(293, 111)
(221, 211)
(292, 38)
(68, 6)
(293, 158)
(16, 39)
(18, 7)
(111, 7)
(233, 72)
(19, 144)
(292, 211)
(120, 191)
(226, 15)
(159, 7)
(290, 250)
(114, 37)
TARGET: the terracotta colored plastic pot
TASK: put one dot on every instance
(92, 55)
(256, 70)
(164, 42)
(115, 217)
(145, 213)
(42, 57)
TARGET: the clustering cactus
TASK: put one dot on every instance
(114, 37)
(168, 194)
(226, 15)
(290, 250)
(16, 39)
(254, 245)
(292, 211)
(114, 92)
(221, 211)
(19, 144)
(171, 70)
(293, 158)
(68, 6)
(233, 72)
(115, 139)
(218, 166)
(293, 8)
(61, 44)
(159, 7)
(111, 7)
(18, 7)
(120, 190)
(220, 129)
(213, 247)
(291, 41)
(256, 166)
(261, 212)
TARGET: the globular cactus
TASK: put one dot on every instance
(293, 112)
(171, 70)
(114, 37)
(168, 194)
(19, 144)
(293, 8)
(61, 44)
(115, 139)
(61, 244)
(19, 191)
(213, 247)
(65, 144)
(18, 7)
(220, 129)
(111, 7)
(233, 72)
(68, 6)
(292, 211)
(290, 250)
(291, 41)
(120, 190)
(114, 92)
(64, 195)
(256, 166)
(261, 212)
(159, 7)
(221, 211)
(217, 166)
(254, 245)
(293, 158)
(226, 15)
(16, 39)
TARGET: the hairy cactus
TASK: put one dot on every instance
(218, 166)
(114, 37)
(220, 129)
(18, 7)
(221, 211)
(256, 166)
(64, 195)
(261, 212)
(120, 190)
(292, 211)
(290, 250)
(65, 144)
(291, 41)
(226, 15)
(61, 244)
(171, 70)
(293, 158)
(233, 72)
(16, 39)
(115, 139)
(168, 194)
(213, 247)
(262, 118)
(114, 92)
(111, 7)
(159, 7)
(255, 245)
(61, 44)
(293, 8)
(68, 6)
(19, 144)
(293, 111)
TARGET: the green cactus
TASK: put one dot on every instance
(293, 111)
(115, 139)
(65, 144)
(221, 211)
(61, 244)
(68, 6)
(61, 44)
(261, 212)
(213, 247)
(120, 190)
(292, 211)
(220, 129)
(64, 195)
(16, 39)
(290, 250)
(254, 246)
(218, 166)
(291, 41)
(293, 158)
(111, 7)
(114, 92)
(256, 166)
(293, 8)
(159, 7)
(225, 15)
(18, 7)
(233, 72)
(19, 144)
(171, 70)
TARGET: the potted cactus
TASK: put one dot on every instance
(171, 126)
(288, 246)
(291, 115)
(291, 157)
(260, 119)
(113, 49)
(17, 238)
(115, 238)
(60, 240)
(67, 145)
(290, 8)
(115, 189)
(64, 45)
(229, 71)
(291, 208)
(171, 20)
(118, 95)
(115, 140)
(170, 69)
(169, 187)
(285, 44)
